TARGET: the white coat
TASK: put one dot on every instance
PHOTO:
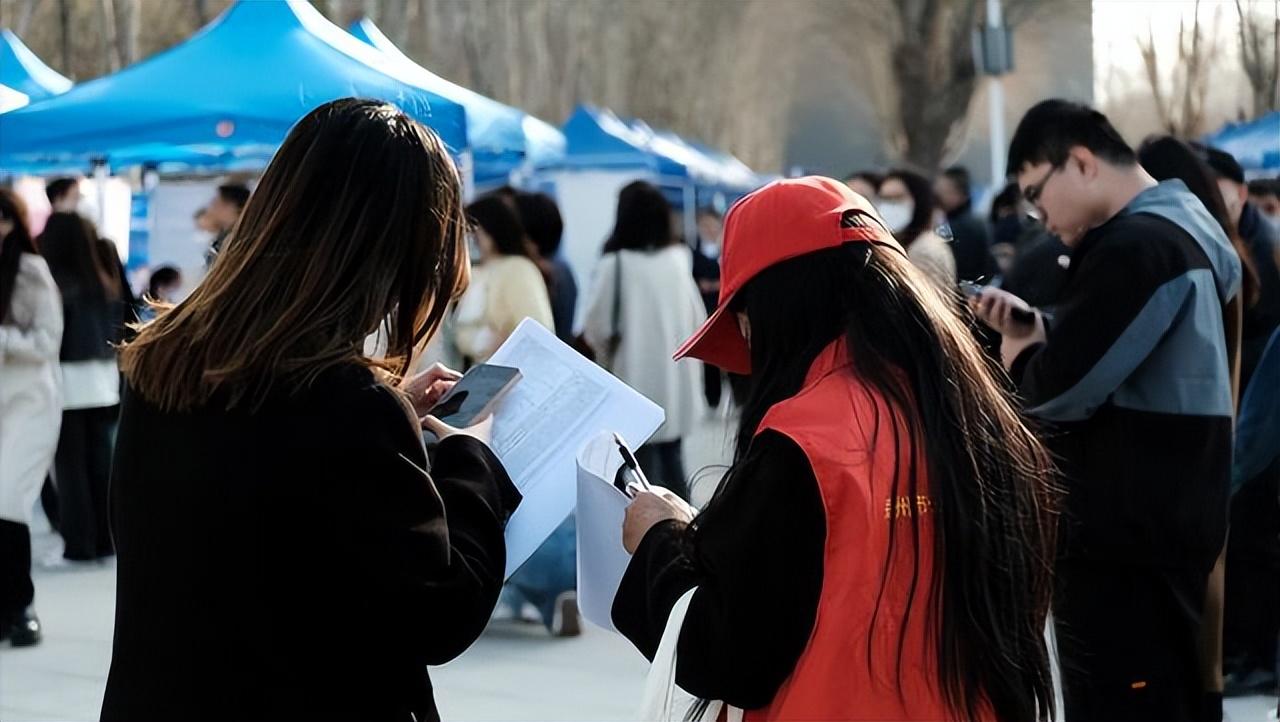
(660, 308)
(30, 402)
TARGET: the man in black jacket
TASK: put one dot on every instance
(1132, 375)
(1252, 614)
(971, 242)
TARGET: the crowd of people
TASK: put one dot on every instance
(67, 305)
(952, 431)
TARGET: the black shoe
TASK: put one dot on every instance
(25, 632)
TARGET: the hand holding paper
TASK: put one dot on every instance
(562, 402)
(649, 508)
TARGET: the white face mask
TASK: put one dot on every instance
(897, 214)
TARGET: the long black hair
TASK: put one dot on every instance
(994, 533)
(923, 200)
(501, 221)
(12, 246)
(1166, 157)
(77, 261)
(643, 221)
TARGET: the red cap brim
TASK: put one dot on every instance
(719, 343)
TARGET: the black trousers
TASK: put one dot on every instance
(16, 590)
(49, 501)
(712, 380)
(1128, 642)
(1251, 622)
(82, 469)
(663, 464)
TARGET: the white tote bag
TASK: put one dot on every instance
(663, 700)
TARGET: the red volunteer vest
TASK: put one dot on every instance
(848, 433)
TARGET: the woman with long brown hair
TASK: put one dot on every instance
(283, 552)
(30, 412)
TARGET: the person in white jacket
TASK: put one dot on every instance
(30, 409)
(642, 303)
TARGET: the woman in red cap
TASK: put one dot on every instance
(881, 547)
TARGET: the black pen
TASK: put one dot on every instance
(629, 462)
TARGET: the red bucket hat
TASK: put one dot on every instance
(783, 220)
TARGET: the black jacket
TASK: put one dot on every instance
(971, 244)
(1262, 318)
(1134, 381)
(1040, 270)
(297, 562)
(741, 639)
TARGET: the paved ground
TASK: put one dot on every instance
(514, 672)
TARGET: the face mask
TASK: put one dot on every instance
(711, 250)
(897, 214)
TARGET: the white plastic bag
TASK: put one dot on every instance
(663, 700)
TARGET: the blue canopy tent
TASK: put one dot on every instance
(11, 99)
(231, 93)
(598, 138)
(605, 153)
(1256, 144)
(716, 172)
(22, 71)
(501, 138)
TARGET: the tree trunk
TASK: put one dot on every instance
(393, 18)
(127, 17)
(936, 77)
(26, 11)
(107, 16)
(201, 8)
(64, 20)
(1261, 65)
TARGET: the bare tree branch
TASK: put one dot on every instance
(110, 48)
(64, 21)
(127, 18)
(1181, 107)
(1260, 63)
(1018, 12)
(27, 10)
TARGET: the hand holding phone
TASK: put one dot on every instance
(1000, 310)
(475, 395)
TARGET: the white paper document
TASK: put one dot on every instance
(601, 508)
(561, 402)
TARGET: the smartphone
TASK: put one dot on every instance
(475, 395)
(973, 290)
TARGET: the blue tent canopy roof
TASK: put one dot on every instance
(501, 137)
(1255, 145)
(491, 126)
(600, 139)
(235, 87)
(11, 99)
(22, 71)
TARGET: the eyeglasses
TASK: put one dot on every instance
(1033, 192)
